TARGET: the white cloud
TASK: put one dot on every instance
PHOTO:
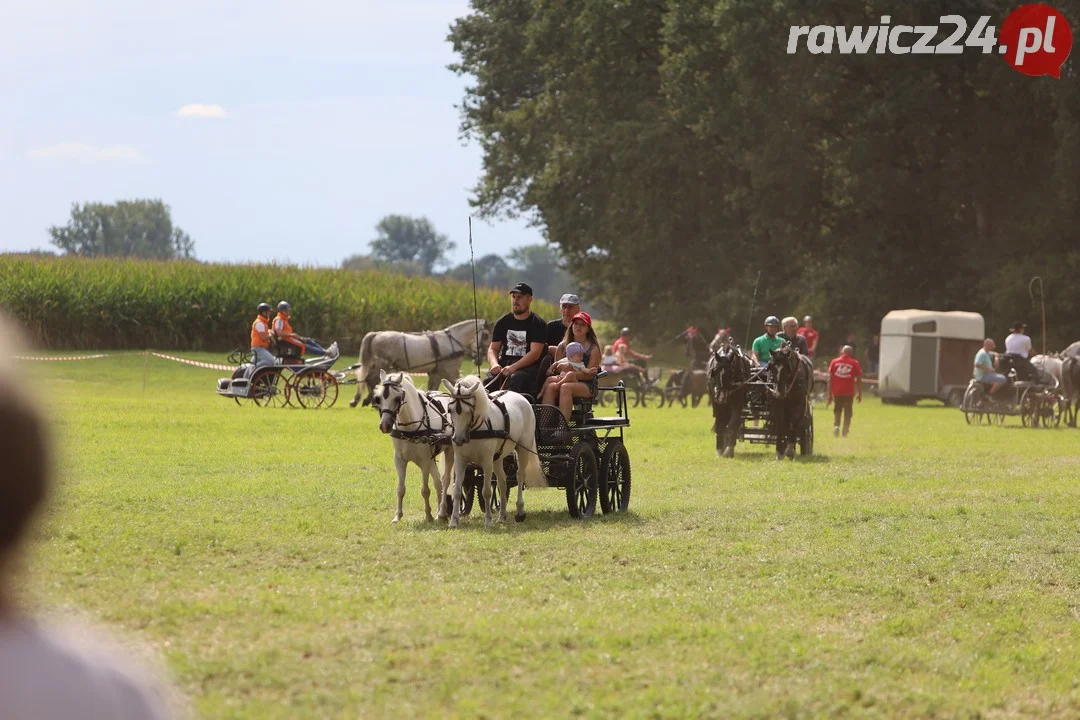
(82, 151)
(198, 110)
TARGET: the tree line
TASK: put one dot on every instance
(673, 150)
(412, 246)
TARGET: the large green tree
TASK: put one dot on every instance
(674, 150)
(137, 228)
(402, 238)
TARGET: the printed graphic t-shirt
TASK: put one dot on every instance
(844, 370)
(517, 335)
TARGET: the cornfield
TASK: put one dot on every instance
(79, 303)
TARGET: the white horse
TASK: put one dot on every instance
(486, 428)
(421, 429)
(1073, 350)
(1050, 364)
(439, 353)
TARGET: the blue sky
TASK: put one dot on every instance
(275, 130)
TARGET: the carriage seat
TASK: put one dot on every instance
(285, 353)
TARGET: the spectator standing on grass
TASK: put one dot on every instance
(845, 386)
(46, 674)
(810, 335)
(873, 355)
(851, 344)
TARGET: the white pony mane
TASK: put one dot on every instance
(472, 386)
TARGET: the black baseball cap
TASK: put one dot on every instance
(523, 288)
(1019, 325)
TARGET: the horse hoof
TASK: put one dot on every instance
(520, 517)
(729, 453)
(396, 518)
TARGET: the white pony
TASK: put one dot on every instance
(485, 429)
(439, 353)
(1050, 364)
(420, 428)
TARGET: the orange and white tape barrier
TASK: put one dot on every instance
(69, 357)
(196, 363)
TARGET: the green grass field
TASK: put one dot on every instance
(920, 568)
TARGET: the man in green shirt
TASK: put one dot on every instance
(763, 346)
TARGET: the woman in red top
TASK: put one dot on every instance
(845, 380)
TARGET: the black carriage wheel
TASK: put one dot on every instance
(310, 388)
(614, 478)
(581, 490)
(270, 389)
(1052, 412)
(971, 403)
(496, 503)
(331, 391)
(652, 394)
(468, 495)
(1029, 409)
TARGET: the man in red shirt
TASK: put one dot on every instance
(811, 335)
(845, 378)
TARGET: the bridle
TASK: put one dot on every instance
(399, 427)
(787, 365)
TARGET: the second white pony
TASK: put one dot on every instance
(485, 429)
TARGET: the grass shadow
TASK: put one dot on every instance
(535, 521)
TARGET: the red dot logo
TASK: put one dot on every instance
(1036, 40)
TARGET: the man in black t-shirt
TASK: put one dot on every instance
(517, 344)
(570, 305)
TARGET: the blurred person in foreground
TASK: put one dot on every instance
(46, 673)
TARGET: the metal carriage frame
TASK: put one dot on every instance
(755, 423)
(1036, 404)
(310, 383)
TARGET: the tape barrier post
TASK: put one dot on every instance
(145, 363)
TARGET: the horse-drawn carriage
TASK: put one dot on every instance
(1031, 393)
(644, 389)
(309, 383)
(762, 404)
(585, 457)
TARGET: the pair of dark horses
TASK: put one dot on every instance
(729, 373)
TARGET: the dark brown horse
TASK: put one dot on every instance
(790, 403)
(727, 371)
(1070, 387)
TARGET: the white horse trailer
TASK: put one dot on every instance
(928, 354)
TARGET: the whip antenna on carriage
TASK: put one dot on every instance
(1042, 300)
(750, 317)
(476, 315)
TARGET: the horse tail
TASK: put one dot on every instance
(529, 471)
(366, 358)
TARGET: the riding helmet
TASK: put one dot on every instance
(284, 306)
(263, 308)
(772, 320)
